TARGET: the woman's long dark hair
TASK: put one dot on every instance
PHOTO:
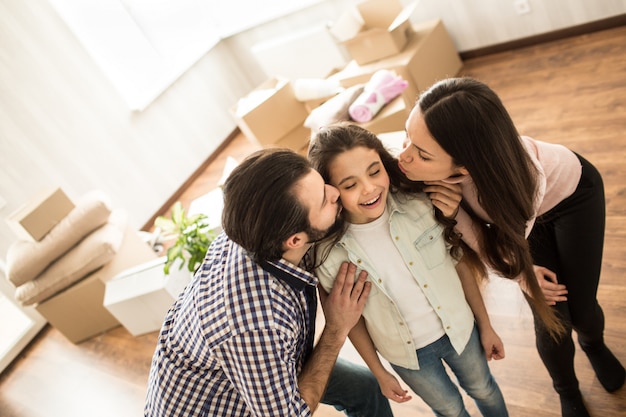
(471, 124)
(329, 142)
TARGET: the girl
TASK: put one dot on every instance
(424, 308)
(525, 203)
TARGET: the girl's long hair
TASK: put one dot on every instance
(471, 124)
(329, 142)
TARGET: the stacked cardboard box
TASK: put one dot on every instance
(374, 29)
(421, 54)
(428, 57)
(33, 220)
(272, 116)
(78, 311)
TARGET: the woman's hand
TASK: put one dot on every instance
(445, 196)
(552, 290)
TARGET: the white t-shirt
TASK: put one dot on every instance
(375, 239)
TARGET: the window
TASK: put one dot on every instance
(143, 46)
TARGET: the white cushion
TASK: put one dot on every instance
(334, 110)
(95, 250)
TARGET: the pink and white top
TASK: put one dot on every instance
(559, 173)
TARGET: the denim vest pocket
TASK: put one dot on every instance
(431, 246)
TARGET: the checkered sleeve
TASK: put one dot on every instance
(261, 363)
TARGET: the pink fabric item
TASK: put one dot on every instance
(383, 86)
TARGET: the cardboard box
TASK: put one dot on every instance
(391, 118)
(375, 29)
(78, 311)
(429, 56)
(311, 105)
(140, 297)
(297, 139)
(34, 219)
(269, 112)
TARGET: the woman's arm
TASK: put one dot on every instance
(494, 349)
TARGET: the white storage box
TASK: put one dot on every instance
(140, 297)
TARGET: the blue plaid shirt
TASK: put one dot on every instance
(233, 342)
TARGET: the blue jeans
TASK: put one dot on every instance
(433, 384)
(354, 390)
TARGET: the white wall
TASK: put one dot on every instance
(475, 24)
(63, 124)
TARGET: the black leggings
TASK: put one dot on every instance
(569, 241)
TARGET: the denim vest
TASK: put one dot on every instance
(419, 239)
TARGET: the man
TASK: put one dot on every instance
(238, 341)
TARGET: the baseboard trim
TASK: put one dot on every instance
(176, 196)
(595, 26)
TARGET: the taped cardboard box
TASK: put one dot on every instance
(429, 56)
(269, 112)
(297, 139)
(78, 312)
(374, 29)
(34, 219)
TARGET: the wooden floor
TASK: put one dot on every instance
(571, 91)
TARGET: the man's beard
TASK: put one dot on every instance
(317, 235)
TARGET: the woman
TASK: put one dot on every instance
(534, 211)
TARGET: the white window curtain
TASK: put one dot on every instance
(143, 46)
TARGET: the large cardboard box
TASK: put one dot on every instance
(269, 112)
(78, 311)
(34, 219)
(374, 29)
(297, 139)
(140, 297)
(429, 56)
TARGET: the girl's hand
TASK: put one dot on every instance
(494, 348)
(391, 388)
(445, 196)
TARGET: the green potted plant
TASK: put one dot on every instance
(192, 237)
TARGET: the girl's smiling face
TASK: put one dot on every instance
(363, 184)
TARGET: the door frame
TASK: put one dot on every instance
(37, 321)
